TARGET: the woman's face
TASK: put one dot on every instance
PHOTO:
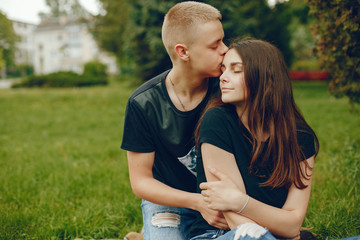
(232, 79)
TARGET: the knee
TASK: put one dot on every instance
(252, 230)
(165, 219)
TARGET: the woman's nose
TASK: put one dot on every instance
(223, 77)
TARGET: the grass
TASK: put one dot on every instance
(63, 174)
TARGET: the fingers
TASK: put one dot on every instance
(205, 193)
(219, 175)
(203, 185)
(219, 222)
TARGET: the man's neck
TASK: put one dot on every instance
(186, 90)
(188, 84)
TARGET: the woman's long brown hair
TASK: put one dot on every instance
(271, 109)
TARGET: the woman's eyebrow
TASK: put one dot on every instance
(236, 63)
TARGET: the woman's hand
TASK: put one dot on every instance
(222, 195)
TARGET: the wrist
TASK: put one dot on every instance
(195, 202)
(241, 203)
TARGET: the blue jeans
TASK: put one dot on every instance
(246, 231)
(164, 223)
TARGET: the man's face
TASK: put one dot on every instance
(208, 50)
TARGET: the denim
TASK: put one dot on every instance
(247, 231)
(164, 223)
(350, 238)
(210, 234)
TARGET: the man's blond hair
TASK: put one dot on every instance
(181, 21)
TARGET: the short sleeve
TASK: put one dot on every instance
(136, 135)
(214, 129)
(306, 143)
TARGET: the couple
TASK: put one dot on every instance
(252, 145)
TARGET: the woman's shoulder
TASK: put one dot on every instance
(306, 138)
(303, 130)
(219, 114)
(224, 110)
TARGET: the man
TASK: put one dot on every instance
(160, 119)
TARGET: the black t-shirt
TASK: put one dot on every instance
(221, 127)
(153, 123)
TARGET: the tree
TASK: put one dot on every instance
(301, 42)
(110, 28)
(257, 19)
(132, 29)
(337, 35)
(134, 35)
(70, 8)
(8, 39)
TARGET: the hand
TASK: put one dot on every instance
(222, 195)
(212, 217)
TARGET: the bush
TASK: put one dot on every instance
(20, 70)
(61, 79)
(95, 69)
(307, 65)
(337, 36)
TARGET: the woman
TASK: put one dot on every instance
(257, 149)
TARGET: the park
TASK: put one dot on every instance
(64, 175)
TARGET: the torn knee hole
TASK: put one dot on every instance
(165, 219)
(249, 229)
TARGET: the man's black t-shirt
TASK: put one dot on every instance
(153, 123)
(221, 127)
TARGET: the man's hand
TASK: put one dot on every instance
(212, 217)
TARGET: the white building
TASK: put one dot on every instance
(59, 45)
(25, 47)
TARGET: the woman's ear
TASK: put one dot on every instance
(182, 52)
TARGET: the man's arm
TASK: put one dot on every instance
(145, 186)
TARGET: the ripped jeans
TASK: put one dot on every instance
(246, 231)
(164, 223)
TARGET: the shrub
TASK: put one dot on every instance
(20, 70)
(337, 35)
(61, 79)
(95, 69)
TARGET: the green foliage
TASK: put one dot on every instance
(301, 41)
(337, 35)
(62, 79)
(306, 64)
(95, 69)
(20, 70)
(256, 19)
(63, 175)
(135, 34)
(110, 29)
(70, 8)
(8, 39)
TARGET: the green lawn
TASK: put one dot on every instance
(63, 174)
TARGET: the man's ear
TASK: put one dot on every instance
(182, 52)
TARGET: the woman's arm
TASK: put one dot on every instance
(217, 158)
(284, 222)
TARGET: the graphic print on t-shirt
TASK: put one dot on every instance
(189, 161)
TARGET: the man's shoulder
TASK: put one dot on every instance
(149, 89)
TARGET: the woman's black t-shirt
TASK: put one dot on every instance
(221, 127)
